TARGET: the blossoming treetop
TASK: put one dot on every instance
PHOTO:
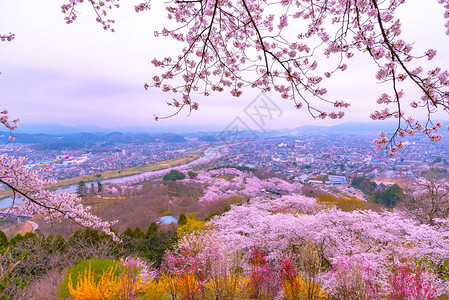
(274, 46)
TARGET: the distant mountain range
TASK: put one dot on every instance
(77, 140)
(50, 128)
(350, 127)
(61, 129)
(59, 134)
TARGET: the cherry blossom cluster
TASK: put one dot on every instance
(28, 185)
(411, 128)
(371, 254)
(7, 37)
(446, 13)
(146, 272)
(121, 189)
(227, 182)
(195, 254)
(353, 278)
(142, 6)
(230, 45)
(100, 7)
(10, 125)
(210, 155)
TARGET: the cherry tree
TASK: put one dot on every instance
(237, 183)
(29, 186)
(350, 255)
(280, 46)
(377, 242)
(428, 198)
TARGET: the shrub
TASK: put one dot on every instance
(227, 287)
(185, 286)
(155, 289)
(410, 283)
(10, 284)
(310, 264)
(225, 278)
(192, 225)
(291, 283)
(95, 267)
(3, 239)
(88, 287)
(390, 197)
(262, 280)
(134, 277)
(182, 220)
(192, 174)
(174, 175)
(353, 279)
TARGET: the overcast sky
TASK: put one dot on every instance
(80, 74)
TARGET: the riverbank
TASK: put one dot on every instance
(181, 160)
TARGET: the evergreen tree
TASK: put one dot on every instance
(81, 190)
(152, 229)
(192, 174)
(174, 175)
(3, 239)
(390, 197)
(99, 187)
(182, 220)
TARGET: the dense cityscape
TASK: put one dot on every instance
(296, 156)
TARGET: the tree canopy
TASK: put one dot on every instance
(174, 175)
(390, 196)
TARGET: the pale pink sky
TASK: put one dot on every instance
(80, 74)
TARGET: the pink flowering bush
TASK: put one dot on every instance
(135, 273)
(293, 248)
(290, 278)
(351, 278)
(263, 281)
(412, 283)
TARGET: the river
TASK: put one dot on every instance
(210, 154)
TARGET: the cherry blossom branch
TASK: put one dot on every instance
(100, 8)
(29, 185)
(237, 44)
